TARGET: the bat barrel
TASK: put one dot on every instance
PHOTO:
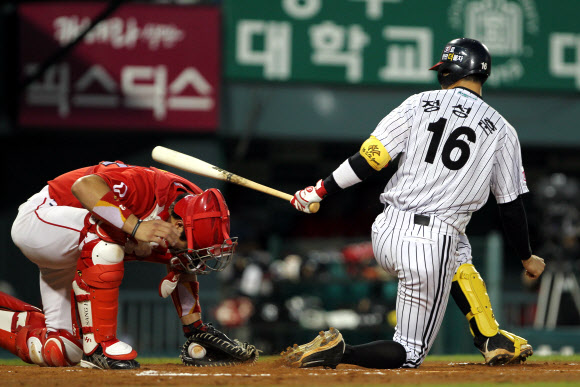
(199, 167)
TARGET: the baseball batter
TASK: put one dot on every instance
(453, 148)
(80, 229)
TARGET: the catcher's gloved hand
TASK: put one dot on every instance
(221, 350)
(200, 327)
(304, 198)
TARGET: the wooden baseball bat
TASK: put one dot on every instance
(199, 167)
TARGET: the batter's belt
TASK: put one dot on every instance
(419, 220)
(422, 220)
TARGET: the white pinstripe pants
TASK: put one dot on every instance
(424, 258)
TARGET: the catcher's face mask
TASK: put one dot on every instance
(207, 226)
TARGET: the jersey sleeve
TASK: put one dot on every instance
(134, 185)
(508, 179)
(393, 130)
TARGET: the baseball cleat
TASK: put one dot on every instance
(100, 361)
(325, 350)
(505, 348)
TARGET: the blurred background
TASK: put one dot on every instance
(281, 92)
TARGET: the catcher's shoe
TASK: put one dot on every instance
(504, 348)
(325, 350)
(101, 361)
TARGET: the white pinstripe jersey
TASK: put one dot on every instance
(454, 148)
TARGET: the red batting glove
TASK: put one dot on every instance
(304, 198)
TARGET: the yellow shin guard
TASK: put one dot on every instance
(475, 293)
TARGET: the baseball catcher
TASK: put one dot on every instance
(81, 228)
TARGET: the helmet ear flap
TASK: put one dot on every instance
(183, 209)
(447, 76)
(224, 211)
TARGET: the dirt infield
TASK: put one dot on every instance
(274, 374)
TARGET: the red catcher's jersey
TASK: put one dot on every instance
(140, 189)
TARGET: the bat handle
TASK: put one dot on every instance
(314, 207)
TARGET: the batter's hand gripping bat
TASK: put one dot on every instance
(191, 164)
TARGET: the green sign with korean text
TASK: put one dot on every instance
(535, 44)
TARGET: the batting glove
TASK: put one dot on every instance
(304, 198)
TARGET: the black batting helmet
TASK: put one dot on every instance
(460, 58)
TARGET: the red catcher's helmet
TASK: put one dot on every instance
(206, 219)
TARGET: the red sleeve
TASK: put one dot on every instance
(60, 187)
(134, 185)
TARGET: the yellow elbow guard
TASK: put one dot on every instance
(375, 153)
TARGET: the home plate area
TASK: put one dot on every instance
(268, 373)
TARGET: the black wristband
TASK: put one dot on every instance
(136, 227)
(330, 185)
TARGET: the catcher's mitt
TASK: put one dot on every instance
(220, 352)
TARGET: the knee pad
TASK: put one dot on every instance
(101, 265)
(48, 349)
(14, 327)
(62, 349)
(23, 333)
(470, 294)
(104, 253)
(29, 343)
(96, 290)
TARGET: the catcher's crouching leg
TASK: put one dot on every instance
(497, 346)
(96, 291)
(23, 333)
(208, 347)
